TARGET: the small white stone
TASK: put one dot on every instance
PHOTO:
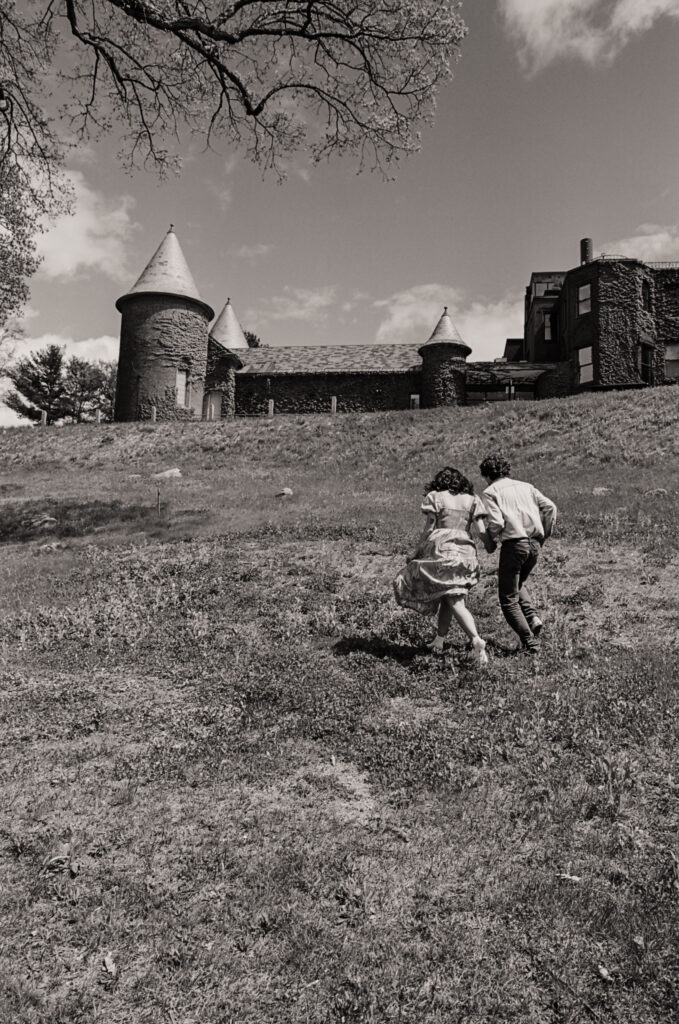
(285, 493)
(168, 474)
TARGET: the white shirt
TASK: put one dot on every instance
(518, 511)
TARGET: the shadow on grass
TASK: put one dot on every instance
(30, 520)
(378, 648)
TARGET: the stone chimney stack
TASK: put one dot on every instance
(586, 250)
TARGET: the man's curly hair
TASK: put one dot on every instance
(450, 479)
(495, 467)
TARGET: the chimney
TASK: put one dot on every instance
(586, 250)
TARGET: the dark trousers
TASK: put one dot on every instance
(518, 558)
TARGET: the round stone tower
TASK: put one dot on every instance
(163, 340)
(443, 365)
(224, 343)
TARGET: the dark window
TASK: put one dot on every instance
(646, 363)
(646, 295)
(584, 299)
(548, 326)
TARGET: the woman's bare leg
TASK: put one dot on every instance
(465, 620)
(444, 620)
(463, 617)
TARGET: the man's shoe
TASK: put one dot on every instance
(532, 650)
(536, 627)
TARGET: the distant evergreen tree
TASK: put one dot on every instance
(72, 390)
(39, 385)
(107, 393)
(84, 382)
(252, 339)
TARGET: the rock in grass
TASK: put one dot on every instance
(600, 491)
(168, 474)
(285, 493)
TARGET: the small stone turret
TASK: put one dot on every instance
(443, 365)
(225, 340)
(163, 340)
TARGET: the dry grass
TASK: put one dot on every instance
(237, 790)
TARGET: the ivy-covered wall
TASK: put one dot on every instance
(313, 393)
(159, 335)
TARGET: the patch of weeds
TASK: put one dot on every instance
(72, 518)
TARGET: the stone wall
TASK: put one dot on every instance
(312, 393)
(443, 376)
(555, 383)
(221, 376)
(624, 323)
(159, 335)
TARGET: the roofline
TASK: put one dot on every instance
(322, 373)
(171, 295)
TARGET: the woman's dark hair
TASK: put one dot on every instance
(495, 467)
(449, 479)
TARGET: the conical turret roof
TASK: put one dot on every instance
(227, 331)
(167, 273)
(446, 333)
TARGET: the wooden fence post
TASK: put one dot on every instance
(270, 413)
(153, 414)
(43, 418)
(333, 405)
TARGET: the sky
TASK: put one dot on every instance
(561, 122)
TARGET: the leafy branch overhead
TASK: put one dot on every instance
(266, 77)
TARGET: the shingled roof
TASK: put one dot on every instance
(445, 332)
(330, 359)
(167, 273)
(227, 331)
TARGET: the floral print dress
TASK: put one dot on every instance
(445, 564)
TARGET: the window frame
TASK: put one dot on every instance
(584, 365)
(584, 301)
(672, 363)
(184, 392)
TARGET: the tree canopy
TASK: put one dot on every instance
(267, 76)
(71, 389)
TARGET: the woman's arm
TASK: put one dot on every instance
(484, 536)
(429, 526)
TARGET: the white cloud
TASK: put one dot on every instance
(653, 243)
(412, 315)
(224, 196)
(104, 347)
(252, 253)
(93, 239)
(307, 304)
(594, 31)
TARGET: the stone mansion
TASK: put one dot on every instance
(610, 322)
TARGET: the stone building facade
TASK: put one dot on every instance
(610, 322)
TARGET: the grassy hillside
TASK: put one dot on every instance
(239, 790)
